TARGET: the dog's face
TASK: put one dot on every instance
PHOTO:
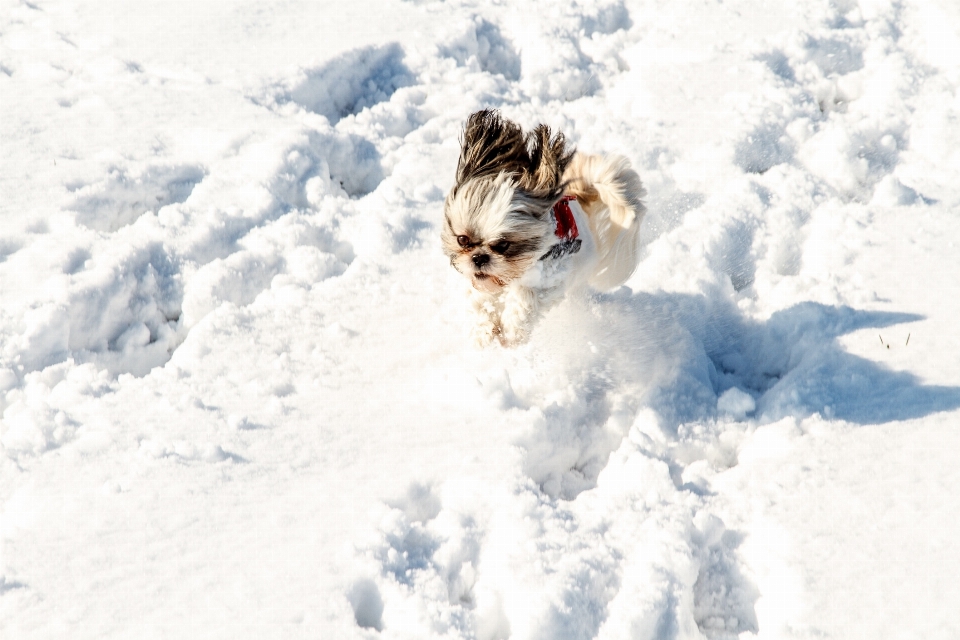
(497, 216)
(492, 232)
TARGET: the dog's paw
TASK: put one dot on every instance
(484, 334)
(513, 336)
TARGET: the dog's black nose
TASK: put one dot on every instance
(481, 259)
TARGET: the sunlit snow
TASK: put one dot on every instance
(238, 395)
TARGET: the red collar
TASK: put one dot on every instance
(566, 225)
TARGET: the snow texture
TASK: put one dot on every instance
(237, 394)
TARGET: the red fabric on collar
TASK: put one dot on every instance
(566, 225)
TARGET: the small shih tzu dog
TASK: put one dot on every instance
(529, 219)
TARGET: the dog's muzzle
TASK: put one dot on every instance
(486, 282)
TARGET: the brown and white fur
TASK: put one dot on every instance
(499, 225)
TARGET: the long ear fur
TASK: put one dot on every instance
(492, 145)
(548, 161)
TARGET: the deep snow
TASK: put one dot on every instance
(238, 399)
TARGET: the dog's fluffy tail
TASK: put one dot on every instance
(610, 193)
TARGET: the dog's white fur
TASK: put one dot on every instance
(499, 224)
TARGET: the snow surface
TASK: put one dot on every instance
(237, 395)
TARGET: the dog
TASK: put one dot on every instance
(529, 220)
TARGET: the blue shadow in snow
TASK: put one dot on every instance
(351, 82)
(826, 378)
(792, 363)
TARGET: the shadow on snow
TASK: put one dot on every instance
(792, 363)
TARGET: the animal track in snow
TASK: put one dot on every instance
(485, 46)
(292, 247)
(367, 604)
(123, 196)
(765, 147)
(724, 598)
(329, 163)
(349, 83)
(8, 247)
(835, 54)
(422, 548)
(124, 317)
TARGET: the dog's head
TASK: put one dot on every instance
(497, 216)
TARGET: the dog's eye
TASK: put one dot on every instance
(500, 247)
(463, 241)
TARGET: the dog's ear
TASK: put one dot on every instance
(491, 145)
(543, 176)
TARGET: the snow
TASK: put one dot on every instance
(237, 394)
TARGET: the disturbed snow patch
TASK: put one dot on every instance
(291, 250)
(328, 163)
(348, 84)
(122, 314)
(484, 47)
(123, 196)
(724, 598)
(535, 553)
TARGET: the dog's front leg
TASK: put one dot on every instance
(521, 307)
(487, 312)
